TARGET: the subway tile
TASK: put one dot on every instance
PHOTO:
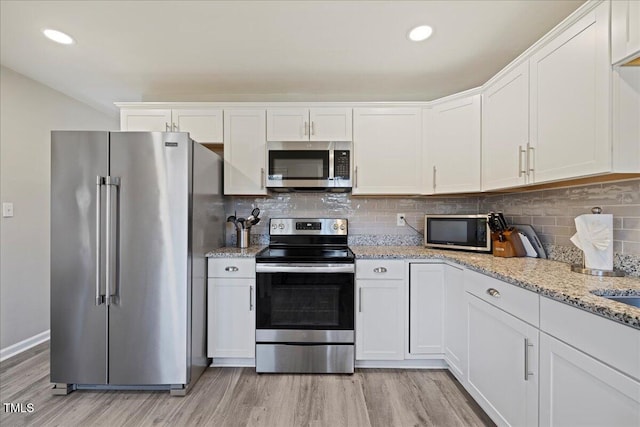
(556, 230)
(627, 235)
(629, 223)
(631, 247)
(544, 220)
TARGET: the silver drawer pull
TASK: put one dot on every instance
(232, 268)
(493, 292)
(380, 270)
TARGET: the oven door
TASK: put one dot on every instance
(305, 303)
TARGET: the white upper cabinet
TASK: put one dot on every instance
(570, 102)
(387, 143)
(244, 152)
(204, 125)
(148, 120)
(452, 146)
(303, 124)
(505, 130)
(625, 30)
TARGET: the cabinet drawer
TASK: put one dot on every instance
(379, 269)
(232, 267)
(510, 298)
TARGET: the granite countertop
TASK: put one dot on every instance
(552, 279)
(233, 252)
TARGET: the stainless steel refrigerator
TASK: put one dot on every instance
(132, 216)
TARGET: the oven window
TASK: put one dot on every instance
(305, 301)
(299, 164)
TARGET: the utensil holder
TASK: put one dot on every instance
(511, 247)
(243, 237)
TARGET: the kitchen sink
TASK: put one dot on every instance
(633, 300)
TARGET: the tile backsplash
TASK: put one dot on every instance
(372, 220)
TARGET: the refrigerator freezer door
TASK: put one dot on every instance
(78, 319)
(148, 316)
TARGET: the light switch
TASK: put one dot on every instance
(7, 210)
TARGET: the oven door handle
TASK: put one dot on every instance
(305, 268)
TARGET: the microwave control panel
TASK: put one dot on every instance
(341, 164)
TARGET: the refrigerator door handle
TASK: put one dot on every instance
(110, 298)
(99, 184)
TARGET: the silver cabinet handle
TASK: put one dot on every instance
(494, 293)
(261, 178)
(306, 128)
(355, 177)
(530, 153)
(359, 300)
(175, 127)
(521, 151)
(313, 131)
(166, 126)
(99, 182)
(434, 178)
(380, 270)
(231, 269)
(527, 374)
(250, 298)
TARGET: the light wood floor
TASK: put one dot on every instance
(240, 397)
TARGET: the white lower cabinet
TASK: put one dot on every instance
(380, 310)
(426, 314)
(503, 364)
(578, 390)
(455, 322)
(231, 316)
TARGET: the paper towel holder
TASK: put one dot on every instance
(580, 268)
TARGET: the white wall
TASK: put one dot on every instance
(28, 112)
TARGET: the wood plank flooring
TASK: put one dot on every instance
(240, 397)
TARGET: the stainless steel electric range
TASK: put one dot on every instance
(305, 313)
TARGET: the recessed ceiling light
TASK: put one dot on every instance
(58, 36)
(420, 33)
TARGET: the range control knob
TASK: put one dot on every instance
(281, 226)
(274, 225)
(335, 226)
(342, 227)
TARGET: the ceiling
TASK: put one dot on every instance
(269, 50)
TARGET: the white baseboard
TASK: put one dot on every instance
(403, 364)
(24, 345)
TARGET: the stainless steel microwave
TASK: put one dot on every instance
(462, 232)
(309, 166)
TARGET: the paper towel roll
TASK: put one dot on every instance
(595, 238)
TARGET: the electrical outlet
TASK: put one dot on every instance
(400, 220)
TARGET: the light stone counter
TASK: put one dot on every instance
(233, 252)
(548, 278)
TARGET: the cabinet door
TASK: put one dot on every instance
(426, 295)
(577, 390)
(625, 30)
(505, 130)
(244, 152)
(331, 124)
(380, 319)
(570, 103)
(455, 322)
(453, 146)
(288, 124)
(151, 120)
(503, 368)
(203, 125)
(387, 146)
(231, 318)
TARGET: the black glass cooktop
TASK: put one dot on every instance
(306, 254)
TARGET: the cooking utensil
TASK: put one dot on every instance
(241, 221)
